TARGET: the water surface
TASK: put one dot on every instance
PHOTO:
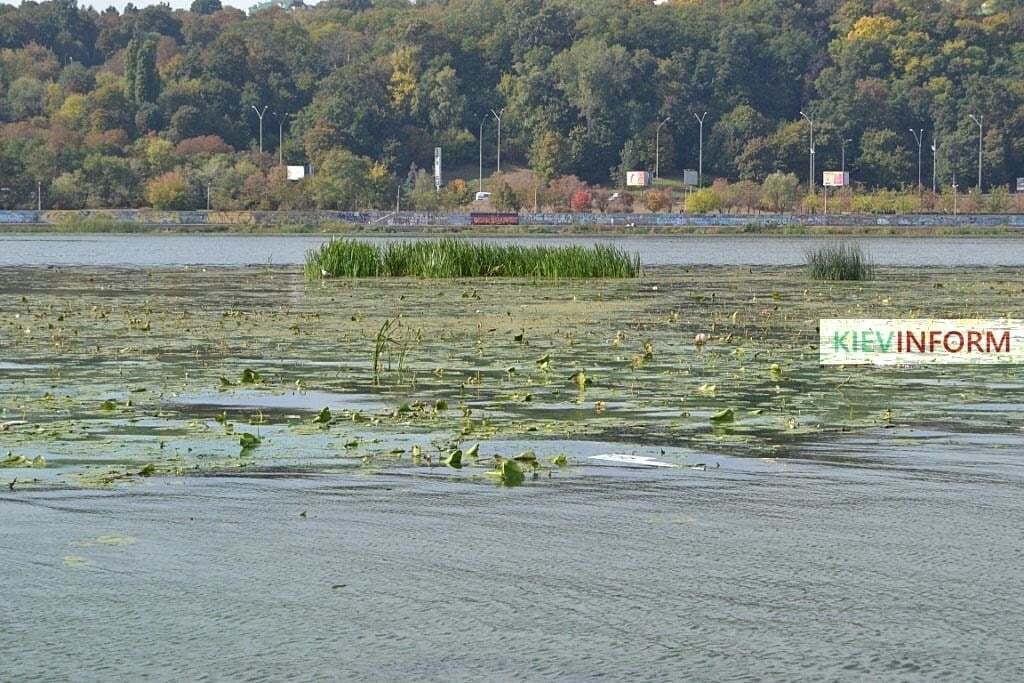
(154, 250)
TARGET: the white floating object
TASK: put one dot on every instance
(640, 460)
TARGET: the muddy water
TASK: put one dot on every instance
(243, 250)
(811, 539)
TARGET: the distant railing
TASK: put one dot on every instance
(154, 218)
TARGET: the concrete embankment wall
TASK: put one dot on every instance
(413, 219)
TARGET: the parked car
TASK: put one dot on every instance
(481, 196)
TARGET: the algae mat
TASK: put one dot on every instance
(110, 376)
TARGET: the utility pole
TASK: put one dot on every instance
(39, 195)
(497, 115)
(657, 148)
(935, 164)
(845, 141)
(811, 179)
(980, 120)
(207, 196)
(260, 114)
(481, 139)
(280, 137)
(700, 149)
(919, 139)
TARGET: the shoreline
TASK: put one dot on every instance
(531, 230)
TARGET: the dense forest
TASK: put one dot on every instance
(160, 107)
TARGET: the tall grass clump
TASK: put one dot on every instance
(839, 262)
(451, 258)
(459, 258)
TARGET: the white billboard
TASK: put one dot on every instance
(835, 178)
(437, 168)
(638, 178)
(296, 172)
(690, 178)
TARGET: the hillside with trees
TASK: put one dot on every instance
(156, 107)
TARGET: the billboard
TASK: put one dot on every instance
(835, 178)
(1020, 184)
(690, 178)
(296, 172)
(638, 178)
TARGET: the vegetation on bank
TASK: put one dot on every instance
(174, 109)
(451, 258)
(839, 262)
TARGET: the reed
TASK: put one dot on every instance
(452, 258)
(839, 262)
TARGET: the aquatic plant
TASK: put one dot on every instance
(839, 262)
(452, 258)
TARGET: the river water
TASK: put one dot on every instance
(888, 554)
(154, 250)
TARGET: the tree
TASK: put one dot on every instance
(341, 181)
(205, 6)
(142, 84)
(507, 199)
(883, 160)
(169, 191)
(779, 191)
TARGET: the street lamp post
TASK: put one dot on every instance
(481, 139)
(811, 178)
(935, 163)
(657, 148)
(280, 137)
(919, 139)
(497, 115)
(980, 120)
(260, 113)
(844, 142)
(700, 149)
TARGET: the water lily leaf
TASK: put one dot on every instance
(511, 473)
(108, 405)
(225, 383)
(248, 441)
(148, 470)
(526, 456)
(776, 370)
(454, 459)
(323, 417)
(723, 416)
(250, 377)
(544, 362)
(707, 389)
(473, 451)
(560, 460)
(38, 462)
(15, 461)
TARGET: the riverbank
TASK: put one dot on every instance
(376, 222)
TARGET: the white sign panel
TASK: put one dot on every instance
(1020, 184)
(437, 168)
(638, 178)
(835, 178)
(690, 178)
(296, 172)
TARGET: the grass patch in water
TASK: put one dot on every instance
(839, 262)
(451, 258)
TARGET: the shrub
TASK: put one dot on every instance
(658, 200)
(838, 262)
(704, 200)
(580, 201)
